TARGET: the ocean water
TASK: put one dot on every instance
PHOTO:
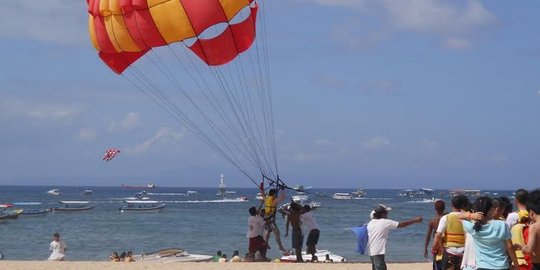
(199, 224)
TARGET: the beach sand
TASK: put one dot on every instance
(44, 265)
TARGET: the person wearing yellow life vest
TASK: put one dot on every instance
(451, 227)
(271, 201)
(532, 246)
(520, 233)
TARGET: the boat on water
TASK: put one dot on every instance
(142, 206)
(359, 193)
(302, 200)
(417, 193)
(192, 193)
(148, 186)
(466, 192)
(321, 254)
(301, 188)
(87, 192)
(73, 206)
(342, 196)
(9, 212)
(29, 208)
(171, 255)
(54, 192)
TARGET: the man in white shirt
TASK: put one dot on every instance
(378, 229)
(520, 198)
(255, 235)
(308, 221)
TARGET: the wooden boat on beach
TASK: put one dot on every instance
(142, 206)
(74, 206)
(171, 255)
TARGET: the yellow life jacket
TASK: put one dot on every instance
(269, 207)
(455, 236)
(518, 238)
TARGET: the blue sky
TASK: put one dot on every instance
(374, 94)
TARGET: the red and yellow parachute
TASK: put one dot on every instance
(124, 30)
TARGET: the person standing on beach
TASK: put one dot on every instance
(308, 221)
(533, 244)
(255, 235)
(520, 198)
(293, 218)
(492, 238)
(58, 249)
(451, 227)
(378, 229)
(432, 227)
(271, 201)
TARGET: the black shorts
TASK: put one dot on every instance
(313, 237)
(536, 266)
(297, 239)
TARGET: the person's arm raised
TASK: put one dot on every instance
(406, 223)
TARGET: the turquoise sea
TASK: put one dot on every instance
(200, 224)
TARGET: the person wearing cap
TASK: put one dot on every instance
(378, 229)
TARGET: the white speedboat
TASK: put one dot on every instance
(142, 206)
(322, 256)
(87, 192)
(192, 193)
(74, 206)
(342, 196)
(54, 192)
(301, 200)
(171, 255)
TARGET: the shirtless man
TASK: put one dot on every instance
(293, 218)
(432, 227)
(533, 245)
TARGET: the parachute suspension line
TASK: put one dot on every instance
(221, 134)
(152, 91)
(265, 56)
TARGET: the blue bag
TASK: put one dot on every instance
(362, 237)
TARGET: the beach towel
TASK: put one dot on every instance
(362, 238)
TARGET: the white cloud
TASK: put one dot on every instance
(36, 111)
(130, 121)
(377, 142)
(87, 134)
(163, 136)
(457, 26)
(53, 21)
(499, 158)
(329, 81)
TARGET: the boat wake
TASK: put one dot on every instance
(422, 201)
(166, 194)
(209, 201)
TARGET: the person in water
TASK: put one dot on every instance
(430, 233)
(271, 201)
(293, 218)
(378, 229)
(58, 248)
(533, 244)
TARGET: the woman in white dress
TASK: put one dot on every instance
(58, 249)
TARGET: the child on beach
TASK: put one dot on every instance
(308, 221)
(533, 244)
(432, 227)
(293, 218)
(58, 249)
(255, 235)
(378, 229)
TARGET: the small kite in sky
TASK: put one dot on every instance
(110, 154)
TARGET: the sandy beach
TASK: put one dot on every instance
(44, 265)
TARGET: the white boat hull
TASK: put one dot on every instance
(321, 256)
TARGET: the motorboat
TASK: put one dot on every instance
(342, 196)
(8, 212)
(142, 206)
(466, 192)
(147, 186)
(54, 192)
(143, 195)
(417, 193)
(322, 256)
(171, 255)
(359, 193)
(87, 192)
(29, 208)
(192, 193)
(74, 206)
(301, 188)
(304, 200)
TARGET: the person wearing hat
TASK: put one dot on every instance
(378, 229)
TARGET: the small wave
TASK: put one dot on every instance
(422, 201)
(209, 201)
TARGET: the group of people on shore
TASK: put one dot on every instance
(487, 233)
(262, 223)
(123, 257)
